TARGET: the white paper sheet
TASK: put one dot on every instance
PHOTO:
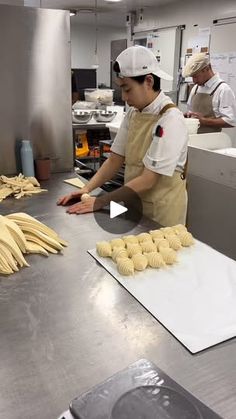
(75, 182)
(194, 299)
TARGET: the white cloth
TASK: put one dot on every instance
(165, 154)
(223, 100)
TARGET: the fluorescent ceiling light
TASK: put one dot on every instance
(112, 1)
(224, 20)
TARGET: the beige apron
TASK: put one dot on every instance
(166, 201)
(202, 103)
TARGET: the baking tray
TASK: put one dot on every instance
(194, 299)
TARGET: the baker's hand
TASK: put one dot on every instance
(63, 200)
(197, 115)
(85, 206)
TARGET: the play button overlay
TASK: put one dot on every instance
(122, 213)
(116, 209)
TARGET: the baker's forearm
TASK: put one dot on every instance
(106, 172)
(214, 122)
(138, 185)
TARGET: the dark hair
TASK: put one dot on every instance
(140, 79)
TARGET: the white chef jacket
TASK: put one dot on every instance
(167, 153)
(223, 100)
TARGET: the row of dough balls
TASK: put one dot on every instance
(154, 249)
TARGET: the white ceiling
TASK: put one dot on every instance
(113, 14)
(126, 5)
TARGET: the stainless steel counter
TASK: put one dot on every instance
(67, 325)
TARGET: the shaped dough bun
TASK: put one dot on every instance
(119, 252)
(130, 239)
(174, 241)
(148, 246)
(143, 237)
(169, 255)
(161, 243)
(103, 249)
(179, 228)
(186, 239)
(156, 234)
(140, 262)
(155, 260)
(133, 248)
(125, 266)
(117, 243)
(167, 230)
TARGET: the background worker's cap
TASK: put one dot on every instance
(139, 61)
(195, 64)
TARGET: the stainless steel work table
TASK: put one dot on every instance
(67, 325)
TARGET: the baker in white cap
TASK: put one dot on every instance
(152, 142)
(212, 101)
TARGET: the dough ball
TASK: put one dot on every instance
(133, 248)
(84, 197)
(156, 234)
(167, 230)
(143, 237)
(119, 252)
(103, 249)
(125, 266)
(117, 243)
(155, 260)
(169, 255)
(130, 239)
(186, 239)
(174, 241)
(161, 243)
(140, 262)
(179, 228)
(148, 246)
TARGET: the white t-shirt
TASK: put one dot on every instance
(167, 153)
(223, 100)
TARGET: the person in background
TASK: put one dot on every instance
(152, 141)
(211, 100)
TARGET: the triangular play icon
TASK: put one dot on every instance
(116, 209)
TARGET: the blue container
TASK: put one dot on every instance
(27, 159)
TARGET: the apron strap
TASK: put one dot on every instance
(212, 93)
(168, 106)
(196, 89)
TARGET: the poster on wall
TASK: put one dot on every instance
(199, 43)
(225, 65)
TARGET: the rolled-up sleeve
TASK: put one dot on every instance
(169, 151)
(227, 106)
(119, 143)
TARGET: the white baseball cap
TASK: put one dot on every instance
(196, 63)
(139, 61)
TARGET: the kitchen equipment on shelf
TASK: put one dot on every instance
(81, 117)
(104, 116)
(106, 96)
(91, 95)
(102, 96)
(83, 105)
(81, 144)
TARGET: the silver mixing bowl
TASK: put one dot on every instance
(81, 117)
(104, 116)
